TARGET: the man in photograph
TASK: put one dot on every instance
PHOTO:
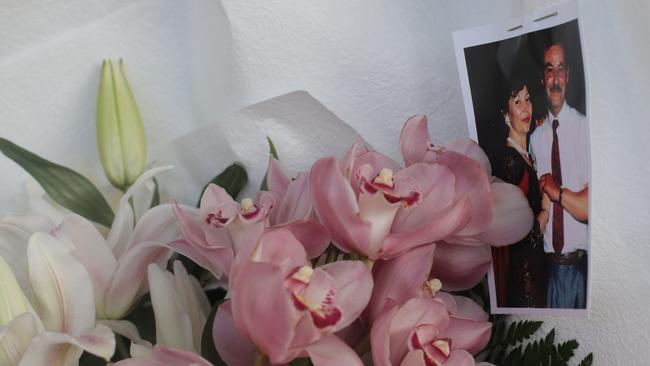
(561, 149)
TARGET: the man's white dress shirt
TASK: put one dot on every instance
(575, 162)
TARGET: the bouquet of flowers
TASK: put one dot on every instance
(358, 260)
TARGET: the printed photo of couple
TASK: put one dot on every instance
(528, 102)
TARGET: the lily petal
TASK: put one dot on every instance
(59, 349)
(336, 206)
(122, 227)
(173, 325)
(165, 356)
(16, 337)
(157, 224)
(193, 299)
(128, 280)
(62, 287)
(460, 267)
(15, 231)
(91, 250)
(13, 301)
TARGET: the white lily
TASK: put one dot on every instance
(180, 307)
(117, 264)
(60, 323)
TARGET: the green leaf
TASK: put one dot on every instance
(155, 199)
(567, 349)
(233, 179)
(208, 351)
(588, 360)
(66, 187)
(274, 154)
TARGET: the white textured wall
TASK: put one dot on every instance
(374, 63)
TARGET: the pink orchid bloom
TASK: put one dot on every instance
(287, 309)
(166, 356)
(411, 276)
(429, 332)
(501, 216)
(294, 210)
(117, 265)
(221, 229)
(374, 208)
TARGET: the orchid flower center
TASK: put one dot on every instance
(432, 286)
(248, 208)
(314, 294)
(216, 218)
(384, 178)
(436, 351)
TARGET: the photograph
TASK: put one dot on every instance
(525, 97)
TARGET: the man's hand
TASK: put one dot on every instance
(549, 186)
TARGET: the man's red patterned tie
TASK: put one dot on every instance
(558, 211)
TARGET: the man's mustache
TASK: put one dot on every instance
(556, 88)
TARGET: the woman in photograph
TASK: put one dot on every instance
(524, 279)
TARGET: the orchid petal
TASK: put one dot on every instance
(346, 162)
(217, 260)
(62, 287)
(512, 217)
(469, 335)
(336, 207)
(262, 309)
(354, 285)
(173, 325)
(314, 237)
(91, 250)
(437, 186)
(401, 278)
(441, 226)
(414, 312)
(376, 210)
(460, 267)
(468, 309)
(280, 248)
(214, 195)
(460, 357)
(380, 336)
(471, 182)
(414, 358)
(472, 150)
(276, 180)
(296, 201)
(233, 347)
(331, 351)
(16, 337)
(59, 349)
(414, 140)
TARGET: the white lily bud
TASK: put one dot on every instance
(13, 301)
(120, 133)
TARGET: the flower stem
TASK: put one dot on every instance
(363, 347)
(260, 359)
